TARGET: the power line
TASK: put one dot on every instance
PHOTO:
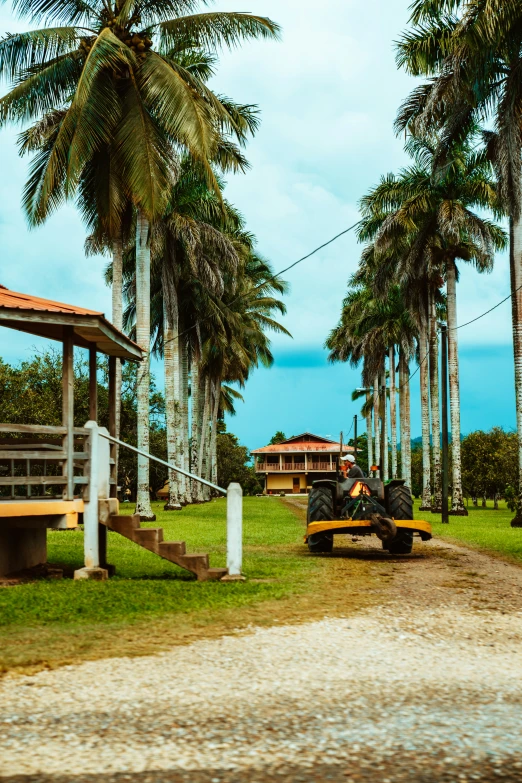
(468, 323)
(269, 279)
(488, 311)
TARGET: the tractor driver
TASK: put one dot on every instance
(350, 468)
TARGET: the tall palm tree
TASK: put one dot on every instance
(111, 66)
(368, 326)
(472, 53)
(429, 215)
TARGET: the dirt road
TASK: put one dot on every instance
(426, 686)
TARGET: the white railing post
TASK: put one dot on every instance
(234, 533)
(98, 489)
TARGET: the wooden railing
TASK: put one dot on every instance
(39, 461)
(273, 467)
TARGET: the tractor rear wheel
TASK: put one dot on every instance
(399, 504)
(320, 509)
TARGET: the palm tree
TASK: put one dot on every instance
(472, 52)
(368, 326)
(367, 413)
(112, 67)
(429, 217)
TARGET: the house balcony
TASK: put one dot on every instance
(297, 467)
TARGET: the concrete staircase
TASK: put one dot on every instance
(151, 538)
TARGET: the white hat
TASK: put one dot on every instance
(349, 457)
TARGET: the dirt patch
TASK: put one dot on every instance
(392, 669)
(435, 573)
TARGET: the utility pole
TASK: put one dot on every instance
(444, 422)
(355, 436)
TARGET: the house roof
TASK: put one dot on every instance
(305, 443)
(47, 318)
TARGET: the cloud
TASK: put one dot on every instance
(328, 93)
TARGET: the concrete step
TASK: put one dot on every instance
(149, 537)
(171, 550)
(216, 573)
(195, 562)
(126, 526)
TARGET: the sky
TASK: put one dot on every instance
(328, 94)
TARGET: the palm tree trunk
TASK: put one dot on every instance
(376, 420)
(369, 432)
(171, 367)
(404, 402)
(436, 505)
(184, 350)
(393, 413)
(384, 414)
(203, 414)
(194, 440)
(204, 428)
(457, 501)
(213, 436)
(143, 506)
(515, 263)
(117, 320)
(425, 414)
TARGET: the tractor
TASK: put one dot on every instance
(363, 507)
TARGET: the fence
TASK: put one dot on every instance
(38, 461)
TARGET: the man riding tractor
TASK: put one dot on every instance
(358, 506)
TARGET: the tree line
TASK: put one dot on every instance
(119, 116)
(463, 129)
(31, 393)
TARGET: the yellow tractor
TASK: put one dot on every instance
(363, 507)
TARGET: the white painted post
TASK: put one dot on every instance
(234, 532)
(99, 486)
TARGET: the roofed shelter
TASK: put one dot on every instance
(44, 470)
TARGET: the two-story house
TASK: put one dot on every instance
(293, 465)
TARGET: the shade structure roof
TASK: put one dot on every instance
(305, 443)
(46, 318)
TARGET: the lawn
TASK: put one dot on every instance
(484, 528)
(151, 604)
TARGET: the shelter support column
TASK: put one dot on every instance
(68, 409)
(93, 384)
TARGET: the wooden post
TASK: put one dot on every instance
(68, 409)
(98, 490)
(93, 385)
(113, 487)
(234, 533)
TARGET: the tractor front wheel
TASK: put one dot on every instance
(320, 509)
(320, 544)
(399, 505)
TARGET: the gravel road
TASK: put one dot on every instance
(426, 687)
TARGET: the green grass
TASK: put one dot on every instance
(484, 528)
(151, 604)
(147, 585)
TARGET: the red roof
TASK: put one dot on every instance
(49, 319)
(304, 443)
(26, 302)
